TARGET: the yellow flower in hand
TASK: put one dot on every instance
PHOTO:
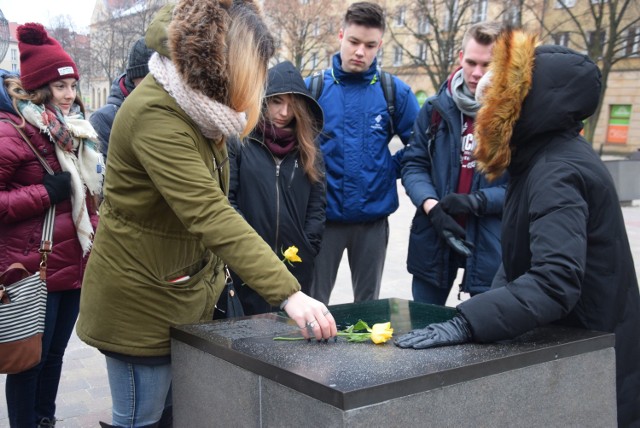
(291, 255)
(382, 332)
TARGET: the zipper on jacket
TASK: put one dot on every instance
(275, 241)
(293, 173)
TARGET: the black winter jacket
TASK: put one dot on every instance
(565, 253)
(275, 195)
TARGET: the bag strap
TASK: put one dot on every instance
(389, 90)
(46, 244)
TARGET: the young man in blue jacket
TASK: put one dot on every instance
(457, 222)
(361, 171)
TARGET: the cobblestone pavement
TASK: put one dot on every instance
(84, 398)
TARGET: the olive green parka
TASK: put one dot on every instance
(166, 216)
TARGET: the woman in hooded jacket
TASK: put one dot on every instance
(566, 258)
(277, 179)
(166, 226)
(43, 103)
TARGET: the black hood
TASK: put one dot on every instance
(565, 90)
(284, 78)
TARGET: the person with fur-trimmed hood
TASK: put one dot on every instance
(566, 257)
(167, 227)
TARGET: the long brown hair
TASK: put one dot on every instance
(306, 129)
(40, 96)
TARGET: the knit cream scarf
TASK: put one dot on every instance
(214, 119)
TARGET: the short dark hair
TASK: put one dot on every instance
(484, 33)
(365, 13)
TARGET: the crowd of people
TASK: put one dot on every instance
(219, 163)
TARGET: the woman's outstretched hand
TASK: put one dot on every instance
(311, 316)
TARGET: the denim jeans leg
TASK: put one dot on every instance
(425, 292)
(139, 392)
(49, 379)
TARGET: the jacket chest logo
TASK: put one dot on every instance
(376, 122)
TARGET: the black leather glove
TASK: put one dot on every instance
(460, 203)
(58, 186)
(450, 231)
(452, 332)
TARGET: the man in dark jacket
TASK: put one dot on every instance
(137, 69)
(361, 171)
(566, 257)
(457, 221)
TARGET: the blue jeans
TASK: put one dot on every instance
(139, 392)
(31, 395)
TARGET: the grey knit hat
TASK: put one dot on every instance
(139, 59)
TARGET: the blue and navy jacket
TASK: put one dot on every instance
(430, 170)
(361, 171)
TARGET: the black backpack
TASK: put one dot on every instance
(316, 85)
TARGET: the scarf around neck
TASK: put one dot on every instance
(214, 119)
(462, 96)
(74, 140)
(279, 141)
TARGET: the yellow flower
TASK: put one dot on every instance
(381, 332)
(291, 255)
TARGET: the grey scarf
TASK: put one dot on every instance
(461, 95)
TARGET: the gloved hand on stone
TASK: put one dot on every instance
(452, 332)
(58, 186)
(450, 231)
(464, 203)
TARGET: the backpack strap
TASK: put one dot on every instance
(389, 91)
(316, 84)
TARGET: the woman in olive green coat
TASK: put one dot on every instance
(166, 226)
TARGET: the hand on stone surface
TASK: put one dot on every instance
(311, 315)
(450, 231)
(452, 332)
(462, 204)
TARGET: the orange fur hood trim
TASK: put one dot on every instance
(502, 91)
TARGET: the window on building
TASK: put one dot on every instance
(421, 52)
(401, 13)
(397, 56)
(561, 38)
(380, 56)
(14, 67)
(314, 60)
(561, 4)
(632, 47)
(450, 15)
(14, 54)
(423, 25)
(511, 15)
(479, 11)
(598, 1)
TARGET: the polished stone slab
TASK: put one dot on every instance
(349, 376)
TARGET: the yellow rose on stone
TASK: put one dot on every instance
(382, 332)
(291, 255)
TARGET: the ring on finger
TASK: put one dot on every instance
(311, 324)
(325, 312)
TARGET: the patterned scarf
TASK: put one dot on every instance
(214, 119)
(76, 150)
(280, 141)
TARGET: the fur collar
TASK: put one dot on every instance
(503, 92)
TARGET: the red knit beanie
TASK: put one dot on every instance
(42, 59)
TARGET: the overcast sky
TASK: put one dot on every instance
(44, 11)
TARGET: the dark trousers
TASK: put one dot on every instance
(366, 245)
(31, 395)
